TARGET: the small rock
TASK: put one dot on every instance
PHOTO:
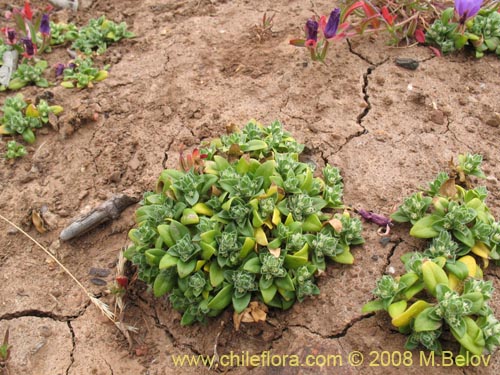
(99, 272)
(380, 135)
(115, 177)
(97, 281)
(492, 179)
(12, 231)
(54, 246)
(437, 117)
(134, 163)
(494, 120)
(407, 63)
(45, 331)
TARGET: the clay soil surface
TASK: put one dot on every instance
(195, 67)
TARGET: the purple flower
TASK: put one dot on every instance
(29, 48)
(60, 69)
(467, 8)
(11, 35)
(45, 25)
(311, 32)
(331, 27)
(380, 220)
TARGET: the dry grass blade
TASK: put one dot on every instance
(99, 304)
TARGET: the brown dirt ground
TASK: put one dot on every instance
(195, 67)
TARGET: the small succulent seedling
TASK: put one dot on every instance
(264, 30)
(61, 33)
(242, 219)
(14, 150)
(5, 353)
(443, 287)
(22, 117)
(98, 34)
(29, 74)
(82, 73)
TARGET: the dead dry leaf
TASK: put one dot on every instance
(275, 252)
(336, 224)
(254, 313)
(448, 189)
(38, 221)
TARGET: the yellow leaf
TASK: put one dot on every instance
(260, 236)
(480, 249)
(4, 131)
(471, 264)
(31, 111)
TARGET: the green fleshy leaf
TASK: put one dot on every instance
(184, 269)
(269, 293)
(168, 261)
(240, 304)
(222, 299)
(372, 306)
(216, 274)
(164, 283)
(425, 322)
(285, 283)
(423, 228)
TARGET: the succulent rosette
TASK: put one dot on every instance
(243, 219)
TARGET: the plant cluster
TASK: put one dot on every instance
(34, 35)
(82, 73)
(14, 150)
(471, 22)
(243, 219)
(443, 287)
(467, 24)
(30, 35)
(61, 33)
(98, 34)
(22, 117)
(26, 74)
(401, 19)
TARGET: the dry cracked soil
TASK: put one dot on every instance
(195, 67)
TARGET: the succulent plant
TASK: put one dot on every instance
(243, 219)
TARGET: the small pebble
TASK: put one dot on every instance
(407, 63)
(99, 272)
(45, 331)
(97, 281)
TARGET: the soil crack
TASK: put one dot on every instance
(45, 314)
(72, 353)
(343, 332)
(397, 242)
(449, 130)
(166, 330)
(366, 96)
(109, 366)
(364, 58)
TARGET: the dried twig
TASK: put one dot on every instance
(111, 209)
(104, 308)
